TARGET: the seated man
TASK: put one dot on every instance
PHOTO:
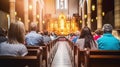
(108, 41)
(33, 38)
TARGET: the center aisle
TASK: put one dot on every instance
(62, 58)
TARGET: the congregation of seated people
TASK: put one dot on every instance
(15, 41)
(101, 39)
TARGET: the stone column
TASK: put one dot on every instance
(89, 14)
(99, 13)
(12, 11)
(41, 20)
(117, 13)
(83, 13)
(26, 15)
(34, 10)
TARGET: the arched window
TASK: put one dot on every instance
(61, 4)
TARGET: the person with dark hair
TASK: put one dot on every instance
(86, 40)
(108, 41)
(2, 35)
(46, 37)
(33, 38)
(14, 46)
(97, 34)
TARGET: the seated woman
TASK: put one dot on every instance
(14, 46)
(86, 40)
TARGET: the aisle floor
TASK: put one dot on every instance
(62, 58)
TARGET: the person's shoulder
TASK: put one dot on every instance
(80, 40)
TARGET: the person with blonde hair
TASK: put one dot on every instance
(14, 46)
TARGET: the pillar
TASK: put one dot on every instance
(26, 15)
(83, 13)
(99, 13)
(34, 10)
(89, 14)
(117, 13)
(12, 11)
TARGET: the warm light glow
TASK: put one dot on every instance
(15, 13)
(19, 19)
(8, 15)
(103, 13)
(91, 20)
(85, 16)
(96, 18)
(62, 26)
(38, 16)
(43, 21)
(80, 21)
(93, 7)
(28, 20)
(30, 7)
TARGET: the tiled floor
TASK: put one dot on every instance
(62, 58)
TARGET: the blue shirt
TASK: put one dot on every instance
(108, 42)
(33, 39)
(13, 49)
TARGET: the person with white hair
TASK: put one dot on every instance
(108, 41)
(33, 38)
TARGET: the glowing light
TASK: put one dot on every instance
(80, 21)
(85, 16)
(93, 7)
(38, 16)
(96, 18)
(30, 7)
(91, 20)
(8, 15)
(43, 21)
(15, 13)
(103, 13)
(19, 19)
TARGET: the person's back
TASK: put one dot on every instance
(14, 46)
(46, 37)
(12, 49)
(33, 38)
(86, 40)
(108, 41)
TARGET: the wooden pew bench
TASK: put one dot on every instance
(97, 58)
(102, 58)
(32, 59)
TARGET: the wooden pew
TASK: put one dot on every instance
(97, 58)
(102, 58)
(31, 60)
(44, 54)
(47, 51)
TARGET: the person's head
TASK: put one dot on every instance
(85, 32)
(107, 28)
(87, 35)
(98, 32)
(16, 33)
(45, 32)
(33, 26)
